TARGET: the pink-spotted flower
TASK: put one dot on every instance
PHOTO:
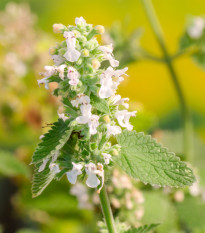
(73, 75)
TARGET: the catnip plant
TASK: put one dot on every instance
(93, 132)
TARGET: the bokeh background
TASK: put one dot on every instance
(25, 109)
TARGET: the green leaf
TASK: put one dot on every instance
(142, 229)
(11, 166)
(145, 159)
(52, 141)
(100, 104)
(41, 180)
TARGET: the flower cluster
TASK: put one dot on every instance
(92, 108)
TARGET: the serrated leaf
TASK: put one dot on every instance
(100, 104)
(41, 180)
(145, 159)
(52, 141)
(142, 229)
(11, 166)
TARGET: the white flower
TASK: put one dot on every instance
(88, 118)
(92, 180)
(73, 75)
(107, 158)
(195, 31)
(123, 117)
(109, 80)
(72, 54)
(120, 101)
(113, 130)
(62, 116)
(80, 99)
(49, 71)
(76, 170)
(57, 59)
(93, 123)
(80, 21)
(107, 88)
(107, 50)
(43, 165)
(54, 168)
(61, 70)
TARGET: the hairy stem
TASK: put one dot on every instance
(156, 27)
(107, 212)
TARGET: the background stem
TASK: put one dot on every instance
(107, 212)
(156, 27)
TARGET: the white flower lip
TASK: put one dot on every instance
(123, 117)
(108, 85)
(88, 118)
(72, 54)
(62, 116)
(113, 130)
(107, 50)
(76, 170)
(92, 180)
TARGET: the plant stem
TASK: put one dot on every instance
(107, 212)
(156, 27)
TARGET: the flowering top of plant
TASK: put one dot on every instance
(79, 144)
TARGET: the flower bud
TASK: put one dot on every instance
(106, 119)
(99, 29)
(115, 152)
(58, 28)
(79, 61)
(85, 53)
(52, 50)
(95, 63)
(89, 68)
